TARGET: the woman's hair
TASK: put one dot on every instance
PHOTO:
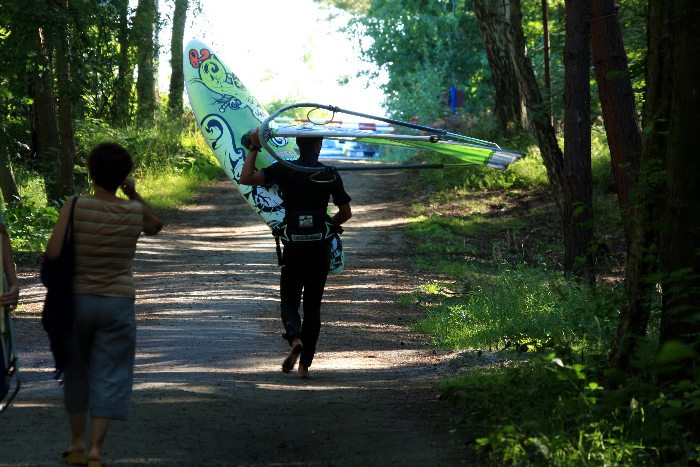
(108, 165)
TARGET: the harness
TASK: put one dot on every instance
(304, 227)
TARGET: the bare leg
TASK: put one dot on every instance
(303, 371)
(99, 427)
(77, 431)
(291, 359)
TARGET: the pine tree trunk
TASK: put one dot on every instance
(493, 26)
(579, 260)
(547, 60)
(122, 97)
(642, 256)
(680, 246)
(46, 127)
(144, 32)
(617, 102)
(177, 78)
(65, 110)
(8, 185)
(539, 121)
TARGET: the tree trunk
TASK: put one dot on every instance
(617, 102)
(177, 79)
(65, 110)
(122, 98)
(8, 185)
(547, 60)
(46, 127)
(579, 260)
(643, 250)
(680, 246)
(144, 31)
(539, 122)
(493, 26)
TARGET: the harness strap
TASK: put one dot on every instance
(279, 250)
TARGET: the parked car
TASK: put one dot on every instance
(331, 148)
(359, 149)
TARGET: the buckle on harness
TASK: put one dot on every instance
(308, 238)
(306, 221)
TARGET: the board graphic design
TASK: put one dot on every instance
(225, 110)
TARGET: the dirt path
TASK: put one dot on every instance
(208, 386)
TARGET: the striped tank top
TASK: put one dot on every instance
(105, 235)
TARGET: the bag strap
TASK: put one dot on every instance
(68, 237)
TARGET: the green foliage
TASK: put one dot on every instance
(556, 411)
(523, 308)
(276, 104)
(425, 47)
(171, 164)
(352, 6)
(29, 227)
(167, 146)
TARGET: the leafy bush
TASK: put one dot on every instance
(171, 163)
(29, 227)
(546, 411)
(168, 145)
(524, 308)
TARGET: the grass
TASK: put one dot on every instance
(172, 164)
(492, 241)
(168, 190)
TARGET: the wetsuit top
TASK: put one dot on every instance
(300, 193)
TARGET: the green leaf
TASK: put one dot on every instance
(674, 351)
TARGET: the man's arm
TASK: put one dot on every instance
(250, 176)
(344, 213)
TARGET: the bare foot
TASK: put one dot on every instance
(291, 359)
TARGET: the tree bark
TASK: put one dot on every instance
(617, 102)
(8, 185)
(144, 32)
(680, 246)
(579, 259)
(177, 78)
(122, 97)
(650, 187)
(539, 122)
(547, 60)
(46, 127)
(65, 110)
(509, 107)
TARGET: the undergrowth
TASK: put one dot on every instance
(171, 165)
(492, 240)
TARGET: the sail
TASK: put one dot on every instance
(468, 150)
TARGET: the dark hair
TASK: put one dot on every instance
(108, 165)
(307, 144)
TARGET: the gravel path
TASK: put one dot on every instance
(208, 385)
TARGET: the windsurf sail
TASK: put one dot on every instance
(466, 149)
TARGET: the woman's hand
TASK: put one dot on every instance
(129, 187)
(11, 297)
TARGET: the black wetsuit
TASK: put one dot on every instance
(305, 264)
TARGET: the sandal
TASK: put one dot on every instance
(95, 463)
(291, 359)
(74, 458)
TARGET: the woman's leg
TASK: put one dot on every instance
(98, 432)
(77, 431)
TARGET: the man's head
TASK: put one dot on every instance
(108, 165)
(309, 146)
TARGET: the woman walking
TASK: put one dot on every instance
(98, 376)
